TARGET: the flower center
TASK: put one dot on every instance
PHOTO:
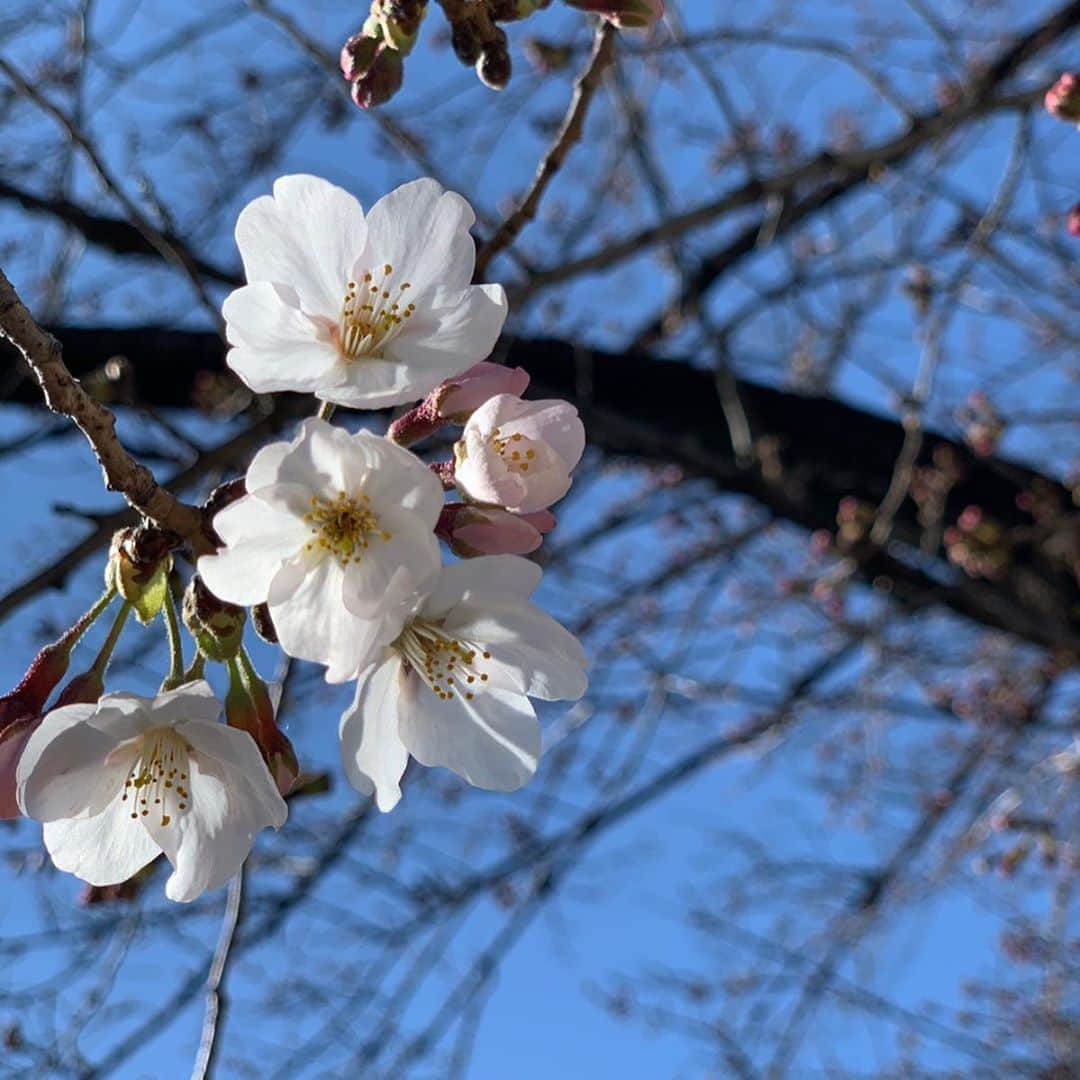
(445, 664)
(373, 312)
(343, 526)
(158, 778)
(515, 450)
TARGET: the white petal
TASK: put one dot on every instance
(194, 701)
(423, 232)
(390, 473)
(209, 842)
(477, 579)
(374, 383)
(307, 236)
(275, 345)
(259, 539)
(106, 849)
(372, 753)
(239, 755)
(263, 470)
(450, 333)
(312, 622)
(493, 741)
(551, 420)
(63, 772)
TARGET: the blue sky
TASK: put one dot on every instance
(621, 910)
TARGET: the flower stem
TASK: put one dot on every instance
(101, 661)
(176, 647)
(196, 668)
(326, 411)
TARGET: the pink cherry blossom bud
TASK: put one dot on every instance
(21, 708)
(487, 530)
(250, 707)
(1072, 221)
(381, 81)
(518, 454)
(624, 14)
(357, 56)
(1063, 98)
(543, 521)
(458, 398)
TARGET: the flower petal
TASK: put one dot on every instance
(423, 232)
(372, 753)
(63, 772)
(105, 849)
(259, 538)
(307, 235)
(275, 345)
(493, 741)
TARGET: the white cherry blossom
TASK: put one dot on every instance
(334, 534)
(519, 454)
(365, 312)
(120, 781)
(453, 687)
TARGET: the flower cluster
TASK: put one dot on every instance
(333, 539)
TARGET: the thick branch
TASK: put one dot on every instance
(63, 394)
(811, 453)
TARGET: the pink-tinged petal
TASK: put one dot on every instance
(459, 397)
(275, 345)
(12, 746)
(105, 849)
(62, 772)
(307, 236)
(551, 421)
(487, 530)
(373, 756)
(541, 520)
(481, 474)
(493, 742)
(423, 232)
(259, 539)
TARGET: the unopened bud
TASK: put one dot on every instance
(466, 41)
(264, 624)
(216, 626)
(84, 689)
(381, 81)
(458, 398)
(1063, 98)
(357, 55)
(1072, 221)
(623, 14)
(138, 568)
(494, 67)
(487, 530)
(249, 707)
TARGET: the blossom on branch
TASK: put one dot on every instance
(123, 780)
(335, 533)
(519, 454)
(453, 687)
(360, 311)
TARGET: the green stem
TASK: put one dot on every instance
(176, 647)
(196, 669)
(101, 661)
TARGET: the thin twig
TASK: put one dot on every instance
(64, 394)
(572, 127)
(216, 1000)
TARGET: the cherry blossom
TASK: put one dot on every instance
(360, 311)
(336, 531)
(453, 687)
(121, 781)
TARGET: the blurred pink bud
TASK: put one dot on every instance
(250, 707)
(625, 14)
(381, 81)
(458, 398)
(1063, 98)
(357, 56)
(1072, 221)
(487, 530)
